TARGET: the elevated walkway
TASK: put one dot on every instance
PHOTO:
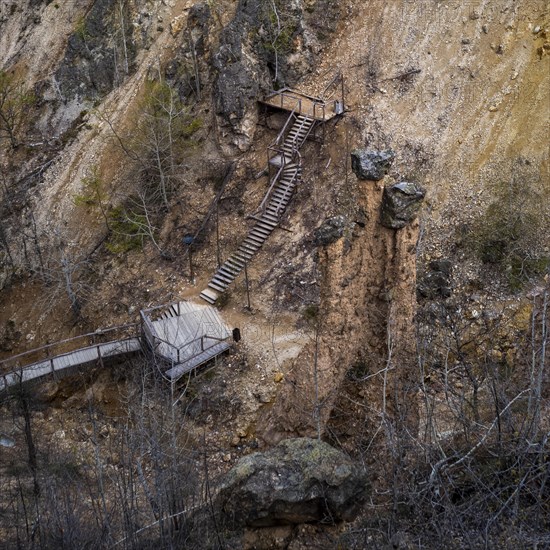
(181, 336)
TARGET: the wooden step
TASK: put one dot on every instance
(266, 226)
(261, 230)
(253, 246)
(222, 277)
(216, 286)
(284, 187)
(280, 197)
(249, 249)
(256, 238)
(273, 210)
(222, 281)
(232, 265)
(246, 257)
(209, 296)
(246, 251)
(279, 205)
(271, 218)
(230, 269)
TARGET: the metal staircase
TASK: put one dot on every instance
(284, 156)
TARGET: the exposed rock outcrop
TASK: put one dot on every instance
(267, 45)
(401, 203)
(365, 317)
(331, 230)
(371, 165)
(298, 481)
(436, 282)
(100, 53)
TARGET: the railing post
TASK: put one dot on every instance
(202, 343)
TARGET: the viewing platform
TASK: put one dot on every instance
(302, 104)
(183, 336)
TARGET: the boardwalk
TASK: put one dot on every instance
(182, 337)
(63, 363)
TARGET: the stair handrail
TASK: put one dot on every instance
(282, 95)
(338, 79)
(271, 186)
(310, 129)
(295, 176)
(283, 130)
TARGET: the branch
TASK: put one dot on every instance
(444, 463)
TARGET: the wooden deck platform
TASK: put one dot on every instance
(186, 335)
(187, 366)
(315, 108)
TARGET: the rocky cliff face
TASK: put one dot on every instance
(364, 325)
(458, 91)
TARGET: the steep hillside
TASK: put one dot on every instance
(126, 120)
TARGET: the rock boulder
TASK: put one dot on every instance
(401, 203)
(371, 165)
(299, 481)
(330, 231)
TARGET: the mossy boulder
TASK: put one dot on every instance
(299, 481)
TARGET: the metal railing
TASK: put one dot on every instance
(318, 106)
(154, 340)
(59, 348)
(48, 361)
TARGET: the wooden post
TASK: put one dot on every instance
(218, 253)
(347, 153)
(191, 274)
(247, 285)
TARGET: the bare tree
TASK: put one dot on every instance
(14, 106)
